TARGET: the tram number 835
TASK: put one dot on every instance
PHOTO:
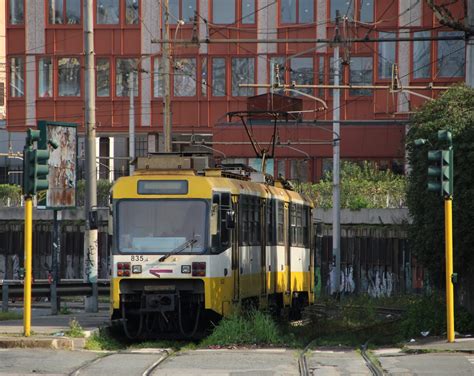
(138, 258)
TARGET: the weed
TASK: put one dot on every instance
(64, 310)
(250, 328)
(103, 340)
(75, 329)
(10, 316)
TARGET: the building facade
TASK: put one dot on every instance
(45, 74)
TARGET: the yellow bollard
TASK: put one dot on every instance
(448, 220)
(28, 265)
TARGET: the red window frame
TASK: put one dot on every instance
(113, 78)
(56, 81)
(9, 94)
(197, 81)
(238, 14)
(297, 6)
(121, 24)
(8, 18)
(65, 24)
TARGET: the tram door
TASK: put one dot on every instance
(235, 249)
(263, 246)
(287, 253)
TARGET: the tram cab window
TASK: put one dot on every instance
(221, 239)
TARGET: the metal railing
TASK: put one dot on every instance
(13, 288)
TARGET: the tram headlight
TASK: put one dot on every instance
(186, 269)
(136, 269)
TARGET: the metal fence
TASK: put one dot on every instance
(374, 260)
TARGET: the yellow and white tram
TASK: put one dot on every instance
(187, 242)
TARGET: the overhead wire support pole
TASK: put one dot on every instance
(167, 126)
(90, 233)
(336, 190)
(131, 123)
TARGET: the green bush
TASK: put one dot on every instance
(10, 195)
(362, 186)
(103, 192)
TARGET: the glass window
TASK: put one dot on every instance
(306, 11)
(386, 55)
(204, 79)
(302, 72)
(158, 79)
(281, 168)
(107, 12)
(17, 12)
(160, 226)
(188, 9)
(185, 77)
(422, 56)
(451, 55)
(248, 11)
(345, 7)
(280, 61)
(131, 12)
(366, 10)
(243, 72)
(288, 11)
(56, 12)
(45, 77)
(218, 77)
(223, 11)
(17, 74)
(126, 68)
(73, 11)
(299, 170)
(69, 77)
(181, 10)
(64, 12)
(103, 77)
(361, 74)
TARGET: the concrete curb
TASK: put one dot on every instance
(37, 342)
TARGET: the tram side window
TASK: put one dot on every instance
(280, 224)
(299, 224)
(256, 220)
(244, 235)
(270, 221)
(293, 228)
(306, 228)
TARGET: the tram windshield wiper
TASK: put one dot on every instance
(178, 249)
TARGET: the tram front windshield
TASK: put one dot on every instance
(161, 226)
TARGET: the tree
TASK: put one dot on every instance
(453, 110)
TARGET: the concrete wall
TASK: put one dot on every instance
(365, 216)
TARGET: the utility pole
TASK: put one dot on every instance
(131, 121)
(336, 190)
(167, 81)
(90, 233)
(470, 45)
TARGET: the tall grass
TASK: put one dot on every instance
(252, 328)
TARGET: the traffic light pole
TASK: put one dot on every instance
(28, 265)
(441, 180)
(448, 224)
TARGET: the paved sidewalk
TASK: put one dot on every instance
(48, 331)
(440, 344)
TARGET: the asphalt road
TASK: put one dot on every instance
(15, 362)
